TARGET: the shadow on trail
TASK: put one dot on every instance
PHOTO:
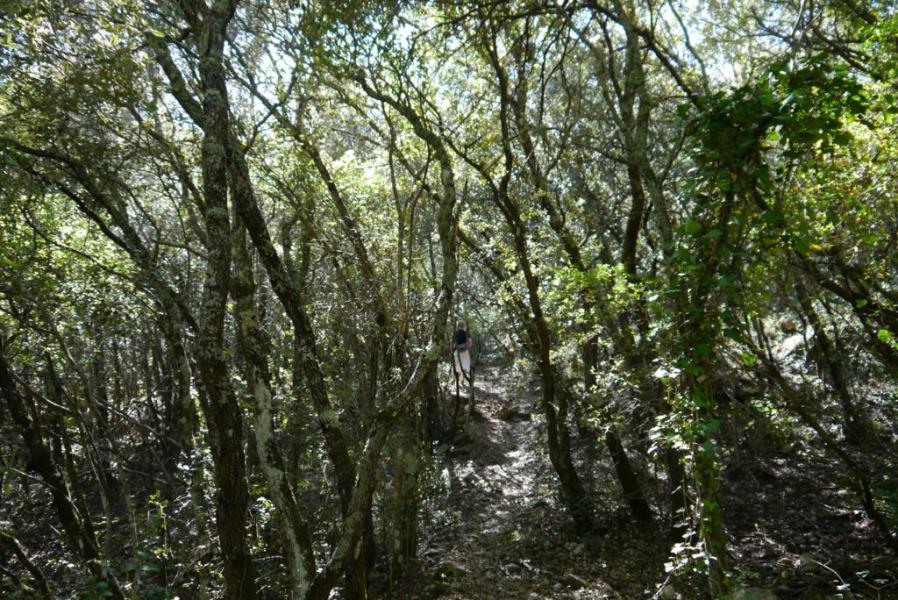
(499, 532)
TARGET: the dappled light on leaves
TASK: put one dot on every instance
(236, 238)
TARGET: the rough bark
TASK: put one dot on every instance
(226, 422)
(251, 345)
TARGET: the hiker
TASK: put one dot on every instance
(459, 346)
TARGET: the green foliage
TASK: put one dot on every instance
(743, 142)
(569, 286)
(148, 569)
(780, 173)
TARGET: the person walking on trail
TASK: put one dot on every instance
(459, 347)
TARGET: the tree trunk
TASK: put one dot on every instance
(81, 539)
(406, 500)
(43, 591)
(857, 429)
(225, 417)
(251, 345)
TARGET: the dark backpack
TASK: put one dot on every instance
(461, 340)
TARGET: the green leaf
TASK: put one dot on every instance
(692, 226)
(699, 399)
(733, 334)
(773, 217)
(7, 262)
(802, 245)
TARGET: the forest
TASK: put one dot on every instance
(245, 244)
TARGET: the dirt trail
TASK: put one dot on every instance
(499, 533)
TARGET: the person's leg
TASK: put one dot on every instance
(465, 359)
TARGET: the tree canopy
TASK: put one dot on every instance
(235, 238)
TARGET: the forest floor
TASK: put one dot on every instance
(497, 530)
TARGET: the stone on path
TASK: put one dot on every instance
(513, 413)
